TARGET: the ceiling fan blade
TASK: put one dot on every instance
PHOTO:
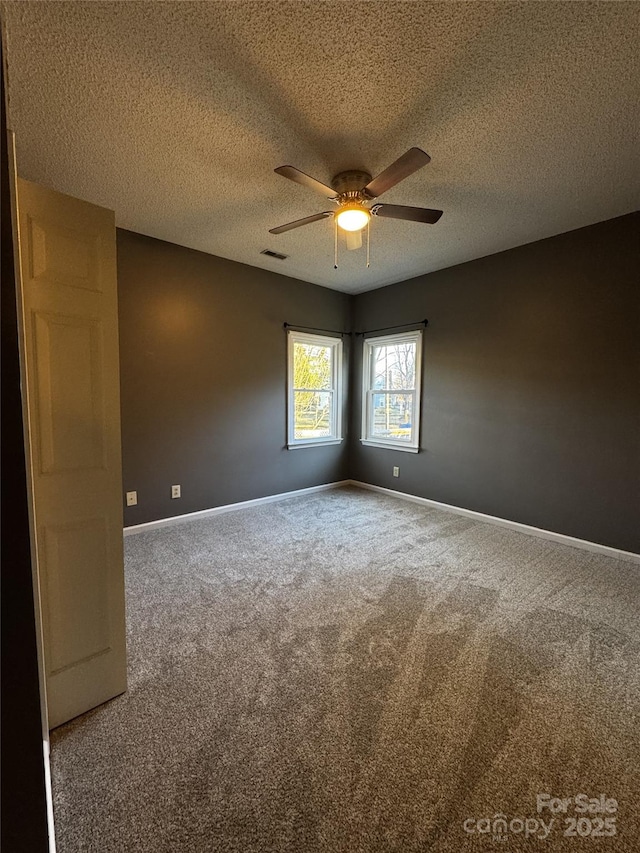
(403, 211)
(410, 162)
(354, 239)
(306, 180)
(298, 222)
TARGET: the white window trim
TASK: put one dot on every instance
(336, 437)
(412, 446)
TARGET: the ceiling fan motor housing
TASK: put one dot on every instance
(349, 185)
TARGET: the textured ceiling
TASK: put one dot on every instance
(175, 115)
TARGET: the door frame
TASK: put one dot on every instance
(35, 574)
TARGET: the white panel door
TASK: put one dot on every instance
(68, 266)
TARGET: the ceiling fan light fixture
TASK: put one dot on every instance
(353, 217)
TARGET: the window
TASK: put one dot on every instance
(315, 398)
(391, 391)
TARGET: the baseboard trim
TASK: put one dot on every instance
(48, 790)
(218, 510)
(540, 533)
(563, 539)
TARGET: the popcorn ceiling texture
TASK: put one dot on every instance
(175, 115)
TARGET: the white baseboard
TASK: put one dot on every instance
(48, 790)
(218, 510)
(584, 544)
(563, 539)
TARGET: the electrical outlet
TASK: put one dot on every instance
(396, 471)
(175, 491)
(132, 498)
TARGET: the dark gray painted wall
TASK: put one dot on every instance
(203, 378)
(531, 391)
(531, 402)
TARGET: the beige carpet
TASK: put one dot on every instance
(351, 673)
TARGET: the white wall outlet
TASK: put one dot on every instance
(396, 471)
(132, 498)
(175, 491)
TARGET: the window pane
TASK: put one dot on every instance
(312, 414)
(311, 366)
(394, 366)
(391, 416)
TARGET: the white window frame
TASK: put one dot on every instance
(413, 445)
(335, 343)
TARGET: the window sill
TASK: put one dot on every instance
(326, 443)
(388, 445)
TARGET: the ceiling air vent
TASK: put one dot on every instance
(271, 254)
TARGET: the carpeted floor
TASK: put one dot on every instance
(350, 673)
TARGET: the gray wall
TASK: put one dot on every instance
(531, 391)
(531, 401)
(203, 378)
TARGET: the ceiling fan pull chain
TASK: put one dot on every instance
(368, 240)
(335, 248)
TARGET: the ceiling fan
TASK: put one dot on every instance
(352, 191)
